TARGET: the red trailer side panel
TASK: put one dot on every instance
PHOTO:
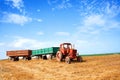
(19, 53)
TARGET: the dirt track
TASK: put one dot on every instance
(93, 68)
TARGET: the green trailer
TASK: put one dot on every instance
(45, 52)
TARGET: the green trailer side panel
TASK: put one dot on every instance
(33, 52)
(51, 50)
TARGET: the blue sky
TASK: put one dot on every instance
(93, 26)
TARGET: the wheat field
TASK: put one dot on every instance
(92, 68)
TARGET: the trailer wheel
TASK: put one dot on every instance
(79, 59)
(59, 56)
(67, 60)
(49, 56)
(29, 58)
(44, 57)
(17, 58)
(14, 59)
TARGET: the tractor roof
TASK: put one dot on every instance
(66, 43)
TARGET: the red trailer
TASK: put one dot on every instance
(14, 55)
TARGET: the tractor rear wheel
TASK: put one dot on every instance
(67, 60)
(79, 59)
(59, 56)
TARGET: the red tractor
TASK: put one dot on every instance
(67, 53)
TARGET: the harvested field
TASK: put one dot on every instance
(92, 68)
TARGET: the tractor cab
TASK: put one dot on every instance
(65, 48)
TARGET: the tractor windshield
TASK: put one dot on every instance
(67, 46)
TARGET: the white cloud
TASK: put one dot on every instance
(63, 4)
(94, 20)
(17, 4)
(40, 33)
(94, 24)
(16, 18)
(112, 10)
(26, 43)
(91, 24)
(62, 33)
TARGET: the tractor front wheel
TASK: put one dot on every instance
(67, 60)
(59, 56)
